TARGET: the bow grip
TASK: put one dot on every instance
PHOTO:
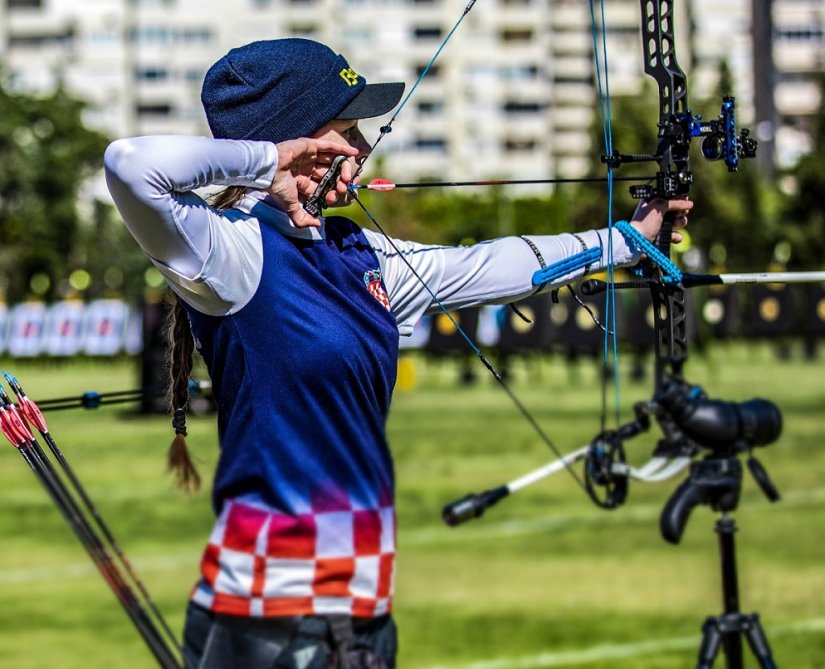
(663, 240)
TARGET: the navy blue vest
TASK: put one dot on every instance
(303, 375)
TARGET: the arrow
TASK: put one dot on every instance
(14, 428)
(384, 185)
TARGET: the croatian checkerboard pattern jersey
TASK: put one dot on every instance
(264, 563)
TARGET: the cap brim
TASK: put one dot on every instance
(373, 100)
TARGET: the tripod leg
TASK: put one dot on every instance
(711, 640)
(758, 641)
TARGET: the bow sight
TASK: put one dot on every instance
(677, 125)
(719, 142)
(720, 139)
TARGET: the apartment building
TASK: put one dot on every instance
(512, 95)
(799, 54)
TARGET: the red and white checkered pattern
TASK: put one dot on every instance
(378, 291)
(259, 562)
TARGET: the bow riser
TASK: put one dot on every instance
(673, 179)
(672, 153)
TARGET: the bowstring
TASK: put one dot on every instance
(602, 73)
(610, 293)
(385, 130)
(543, 436)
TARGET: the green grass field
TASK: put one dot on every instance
(545, 579)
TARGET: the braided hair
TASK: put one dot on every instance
(181, 348)
(180, 362)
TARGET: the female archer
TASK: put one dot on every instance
(298, 319)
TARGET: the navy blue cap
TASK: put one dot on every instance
(276, 90)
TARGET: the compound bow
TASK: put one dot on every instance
(606, 473)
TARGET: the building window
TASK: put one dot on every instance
(795, 77)
(196, 35)
(157, 109)
(434, 72)
(303, 30)
(622, 31)
(152, 73)
(357, 34)
(104, 36)
(513, 107)
(164, 35)
(517, 145)
(151, 35)
(41, 41)
(573, 79)
(799, 34)
(430, 106)
(516, 35)
(427, 32)
(24, 4)
(431, 144)
(520, 72)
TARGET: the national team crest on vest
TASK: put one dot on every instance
(372, 279)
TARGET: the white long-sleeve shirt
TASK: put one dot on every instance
(213, 258)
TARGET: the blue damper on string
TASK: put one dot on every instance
(564, 267)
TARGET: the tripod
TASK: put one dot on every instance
(717, 481)
(725, 630)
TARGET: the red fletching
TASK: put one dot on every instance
(6, 430)
(20, 424)
(33, 414)
(380, 184)
(11, 428)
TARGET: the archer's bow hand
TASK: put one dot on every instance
(302, 164)
(650, 215)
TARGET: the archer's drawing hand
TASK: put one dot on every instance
(650, 215)
(302, 164)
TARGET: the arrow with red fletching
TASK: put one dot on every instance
(384, 185)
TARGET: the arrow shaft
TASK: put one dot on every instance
(773, 277)
(385, 186)
(17, 432)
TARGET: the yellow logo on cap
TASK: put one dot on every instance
(350, 76)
